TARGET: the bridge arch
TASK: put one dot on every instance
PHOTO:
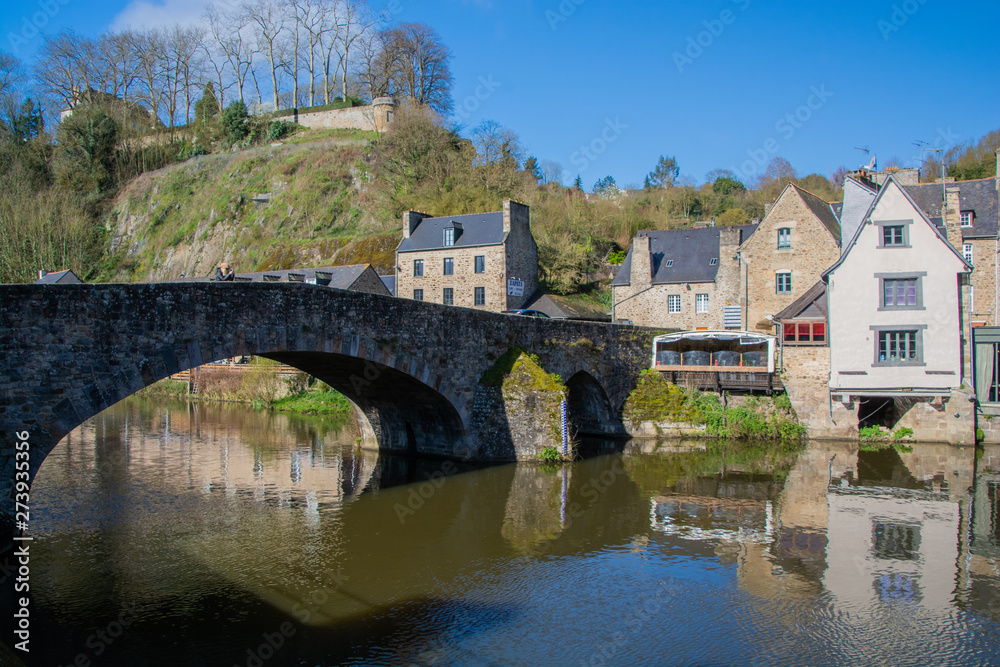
(589, 410)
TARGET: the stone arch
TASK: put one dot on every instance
(589, 410)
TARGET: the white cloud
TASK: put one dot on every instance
(162, 13)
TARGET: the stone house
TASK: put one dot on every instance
(353, 277)
(976, 205)
(796, 241)
(481, 260)
(685, 279)
(898, 310)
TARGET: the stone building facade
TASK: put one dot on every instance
(374, 117)
(797, 240)
(681, 278)
(468, 260)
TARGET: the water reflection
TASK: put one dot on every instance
(214, 527)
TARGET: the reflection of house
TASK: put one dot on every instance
(682, 279)
(797, 240)
(64, 277)
(889, 549)
(896, 310)
(481, 260)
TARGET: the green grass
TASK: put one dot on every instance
(314, 403)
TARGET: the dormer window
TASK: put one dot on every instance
(967, 217)
(449, 236)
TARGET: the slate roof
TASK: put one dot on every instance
(561, 308)
(65, 277)
(979, 196)
(390, 283)
(691, 251)
(478, 229)
(810, 304)
(339, 277)
(822, 209)
(838, 209)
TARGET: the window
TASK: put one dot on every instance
(673, 303)
(898, 347)
(967, 251)
(701, 303)
(448, 296)
(713, 261)
(804, 333)
(449, 266)
(895, 541)
(784, 238)
(783, 283)
(418, 295)
(418, 268)
(480, 296)
(480, 263)
(893, 235)
(966, 217)
(903, 292)
(449, 236)
(670, 263)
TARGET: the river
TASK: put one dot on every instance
(200, 534)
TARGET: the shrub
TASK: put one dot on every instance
(236, 122)
(279, 129)
(549, 455)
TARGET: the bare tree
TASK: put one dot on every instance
(421, 69)
(119, 59)
(230, 34)
(151, 59)
(315, 18)
(63, 69)
(271, 29)
(354, 20)
(180, 68)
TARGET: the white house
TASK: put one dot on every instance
(897, 318)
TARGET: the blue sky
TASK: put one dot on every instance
(606, 87)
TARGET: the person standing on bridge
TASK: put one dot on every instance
(224, 272)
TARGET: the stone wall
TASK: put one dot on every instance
(813, 250)
(984, 283)
(951, 419)
(521, 251)
(373, 118)
(806, 377)
(369, 282)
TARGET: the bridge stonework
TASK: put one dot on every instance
(67, 352)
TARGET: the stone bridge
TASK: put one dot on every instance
(67, 352)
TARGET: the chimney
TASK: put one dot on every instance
(642, 267)
(729, 241)
(42, 273)
(410, 221)
(998, 163)
(515, 213)
(952, 217)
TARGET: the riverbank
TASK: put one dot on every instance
(658, 408)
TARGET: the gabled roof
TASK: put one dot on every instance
(838, 208)
(979, 196)
(477, 229)
(885, 187)
(681, 255)
(563, 308)
(822, 210)
(810, 304)
(64, 277)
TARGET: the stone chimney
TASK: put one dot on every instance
(516, 214)
(642, 266)
(410, 221)
(998, 163)
(953, 217)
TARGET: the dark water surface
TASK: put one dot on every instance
(176, 534)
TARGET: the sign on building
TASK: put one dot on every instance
(515, 287)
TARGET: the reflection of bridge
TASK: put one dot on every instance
(67, 352)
